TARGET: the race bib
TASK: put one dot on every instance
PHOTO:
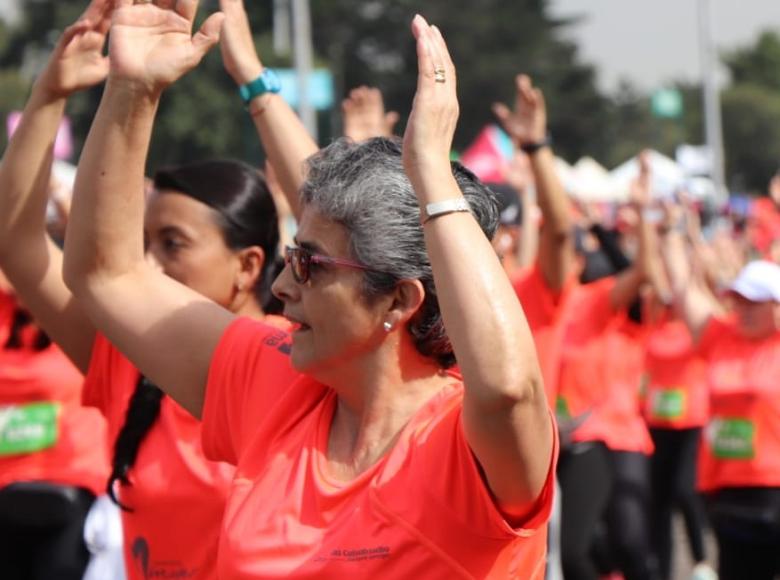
(28, 428)
(562, 408)
(734, 439)
(667, 404)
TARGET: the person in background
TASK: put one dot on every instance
(53, 450)
(739, 465)
(211, 225)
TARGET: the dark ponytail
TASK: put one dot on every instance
(142, 412)
(21, 321)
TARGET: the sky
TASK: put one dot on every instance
(654, 42)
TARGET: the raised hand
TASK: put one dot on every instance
(237, 46)
(151, 45)
(77, 61)
(431, 124)
(527, 122)
(365, 116)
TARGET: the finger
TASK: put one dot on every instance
(187, 9)
(165, 4)
(75, 29)
(391, 119)
(209, 33)
(444, 53)
(425, 62)
(122, 4)
(502, 112)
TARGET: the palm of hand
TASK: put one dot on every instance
(81, 63)
(150, 45)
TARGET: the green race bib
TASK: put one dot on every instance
(734, 439)
(562, 408)
(667, 404)
(28, 428)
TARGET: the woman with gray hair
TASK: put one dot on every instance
(377, 461)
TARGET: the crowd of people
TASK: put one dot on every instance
(362, 361)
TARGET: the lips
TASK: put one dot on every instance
(297, 325)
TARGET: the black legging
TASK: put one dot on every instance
(746, 522)
(627, 516)
(673, 477)
(585, 479)
(43, 550)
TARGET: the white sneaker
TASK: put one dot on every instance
(703, 571)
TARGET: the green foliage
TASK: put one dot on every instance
(490, 41)
(757, 64)
(751, 125)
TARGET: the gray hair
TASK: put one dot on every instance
(363, 187)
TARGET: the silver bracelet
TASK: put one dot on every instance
(440, 208)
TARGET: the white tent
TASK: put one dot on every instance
(666, 176)
(589, 181)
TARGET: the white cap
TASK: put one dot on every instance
(759, 281)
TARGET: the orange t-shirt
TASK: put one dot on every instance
(617, 418)
(741, 443)
(176, 494)
(676, 395)
(422, 511)
(601, 371)
(544, 309)
(45, 433)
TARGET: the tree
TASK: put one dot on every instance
(490, 41)
(751, 112)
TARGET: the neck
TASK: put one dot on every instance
(376, 398)
(249, 308)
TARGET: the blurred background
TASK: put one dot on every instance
(618, 76)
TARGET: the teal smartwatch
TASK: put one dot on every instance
(267, 82)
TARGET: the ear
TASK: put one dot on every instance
(406, 301)
(250, 267)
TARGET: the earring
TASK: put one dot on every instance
(388, 326)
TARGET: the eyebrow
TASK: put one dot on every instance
(176, 230)
(309, 246)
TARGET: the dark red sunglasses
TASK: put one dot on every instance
(301, 259)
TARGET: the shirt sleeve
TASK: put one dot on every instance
(249, 370)
(96, 388)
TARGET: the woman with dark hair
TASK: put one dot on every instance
(210, 225)
(380, 460)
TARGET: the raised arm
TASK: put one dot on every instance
(365, 116)
(527, 125)
(166, 329)
(505, 415)
(285, 140)
(691, 301)
(32, 262)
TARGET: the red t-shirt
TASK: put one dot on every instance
(676, 395)
(601, 370)
(177, 495)
(544, 309)
(741, 443)
(422, 511)
(45, 433)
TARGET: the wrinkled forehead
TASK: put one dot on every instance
(321, 234)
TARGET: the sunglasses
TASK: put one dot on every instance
(300, 261)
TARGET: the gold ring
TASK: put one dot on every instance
(439, 75)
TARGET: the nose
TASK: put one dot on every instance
(285, 288)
